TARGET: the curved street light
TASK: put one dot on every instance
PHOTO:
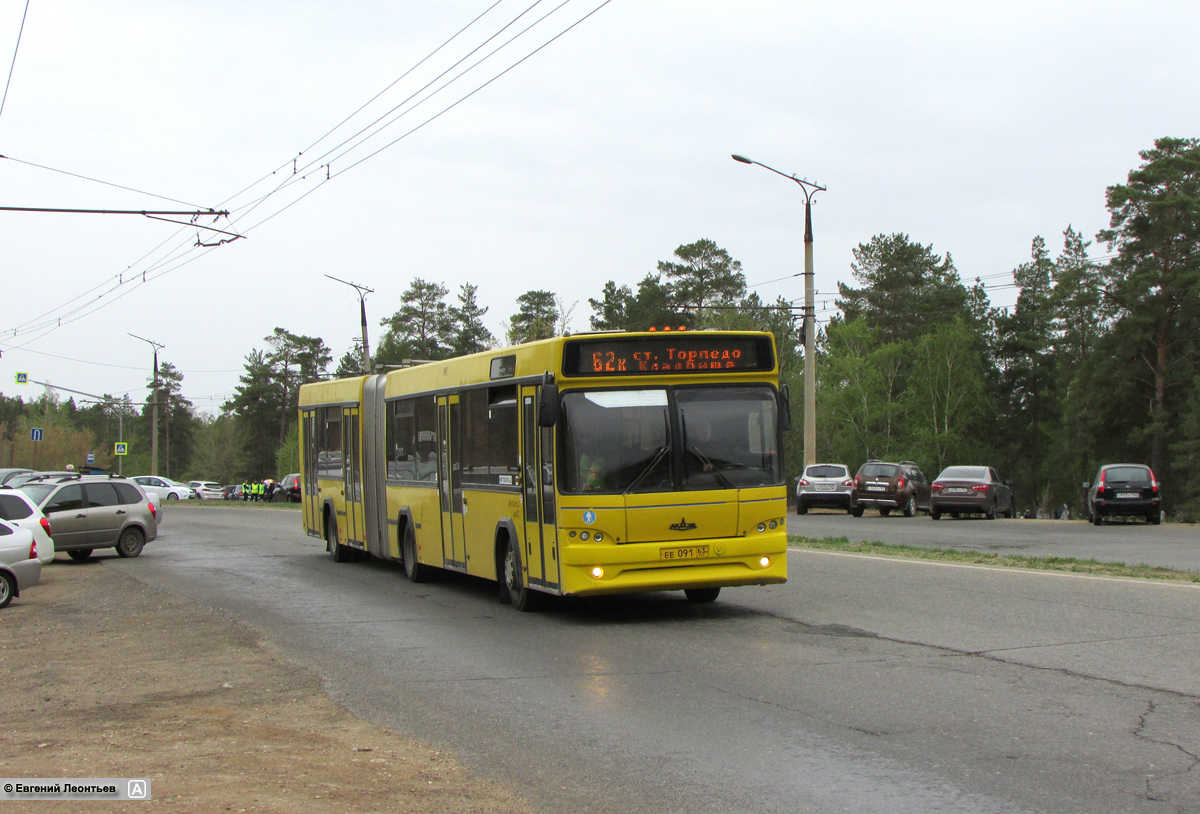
(363, 291)
(810, 365)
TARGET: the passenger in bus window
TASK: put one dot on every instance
(591, 471)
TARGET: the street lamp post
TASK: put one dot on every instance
(154, 412)
(810, 365)
(363, 291)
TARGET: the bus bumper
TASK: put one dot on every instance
(592, 570)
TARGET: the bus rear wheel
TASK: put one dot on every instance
(702, 594)
(412, 569)
(337, 551)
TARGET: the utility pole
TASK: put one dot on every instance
(363, 291)
(154, 408)
(810, 363)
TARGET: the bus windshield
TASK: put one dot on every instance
(669, 439)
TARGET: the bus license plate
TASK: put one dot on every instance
(690, 552)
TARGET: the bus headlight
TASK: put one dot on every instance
(764, 562)
(598, 572)
(598, 536)
(773, 524)
(762, 527)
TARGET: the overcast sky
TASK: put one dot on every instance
(972, 127)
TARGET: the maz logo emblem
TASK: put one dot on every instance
(682, 525)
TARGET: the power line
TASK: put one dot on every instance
(315, 162)
(178, 257)
(12, 67)
(490, 81)
(98, 181)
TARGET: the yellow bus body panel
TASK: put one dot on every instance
(424, 505)
(652, 556)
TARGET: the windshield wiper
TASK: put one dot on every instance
(654, 459)
(658, 456)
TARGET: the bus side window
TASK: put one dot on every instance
(400, 444)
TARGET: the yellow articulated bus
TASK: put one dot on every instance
(575, 466)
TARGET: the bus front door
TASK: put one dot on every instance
(454, 548)
(537, 486)
(352, 478)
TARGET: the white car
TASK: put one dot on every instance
(823, 486)
(207, 489)
(164, 488)
(19, 565)
(19, 509)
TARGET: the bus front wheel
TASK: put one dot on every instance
(702, 594)
(521, 597)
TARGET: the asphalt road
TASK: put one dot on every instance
(1171, 545)
(862, 685)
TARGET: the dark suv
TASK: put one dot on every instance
(1124, 490)
(886, 486)
(95, 511)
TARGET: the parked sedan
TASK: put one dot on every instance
(207, 489)
(970, 490)
(823, 485)
(1124, 490)
(8, 474)
(19, 509)
(19, 564)
(165, 488)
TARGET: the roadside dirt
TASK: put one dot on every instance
(103, 676)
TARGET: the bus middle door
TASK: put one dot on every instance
(454, 543)
(352, 478)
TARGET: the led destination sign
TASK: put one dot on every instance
(688, 353)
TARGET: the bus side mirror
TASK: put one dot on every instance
(785, 408)
(547, 408)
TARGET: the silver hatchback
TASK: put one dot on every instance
(89, 512)
(823, 486)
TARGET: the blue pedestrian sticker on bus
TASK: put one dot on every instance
(589, 517)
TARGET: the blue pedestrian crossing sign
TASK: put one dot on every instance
(35, 433)
(121, 448)
(22, 378)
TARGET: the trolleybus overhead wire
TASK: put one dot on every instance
(183, 253)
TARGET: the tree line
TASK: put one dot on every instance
(1095, 363)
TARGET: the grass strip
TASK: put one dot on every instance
(1109, 569)
(227, 504)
